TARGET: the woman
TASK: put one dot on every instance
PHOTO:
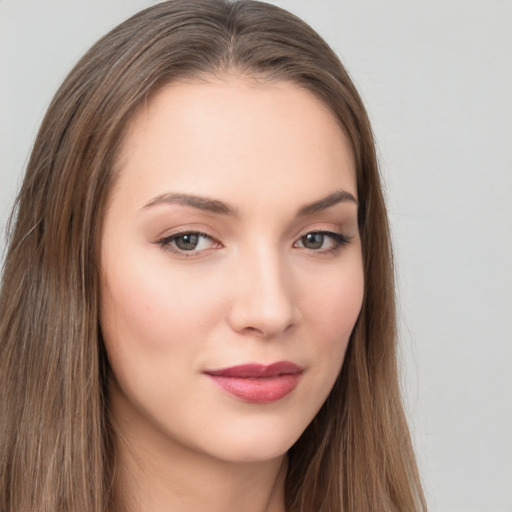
(197, 305)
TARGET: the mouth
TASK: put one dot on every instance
(256, 383)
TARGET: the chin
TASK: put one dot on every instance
(258, 442)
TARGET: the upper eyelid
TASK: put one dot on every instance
(335, 231)
(318, 221)
(338, 237)
(177, 234)
(166, 243)
(168, 239)
(185, 231)
(201, 232)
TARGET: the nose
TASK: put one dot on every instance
(263, 302)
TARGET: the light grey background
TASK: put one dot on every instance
(437, 79)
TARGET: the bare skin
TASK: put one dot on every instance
(230, 239)
(150, 482)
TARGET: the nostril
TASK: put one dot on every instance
(266, 330)
(254, 330)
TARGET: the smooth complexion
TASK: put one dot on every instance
(230, 239)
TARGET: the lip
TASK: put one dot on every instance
(257, 383)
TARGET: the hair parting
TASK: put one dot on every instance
(55, 431)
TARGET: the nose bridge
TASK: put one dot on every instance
(264, 302)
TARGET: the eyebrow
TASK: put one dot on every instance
(340, 196)
(199, 202)
(219, 207)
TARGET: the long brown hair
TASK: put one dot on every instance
(56, 446)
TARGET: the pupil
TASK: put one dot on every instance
(187, 242)
(313, 240)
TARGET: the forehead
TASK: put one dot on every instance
(230, 135)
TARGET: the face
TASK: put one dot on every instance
(231, 267)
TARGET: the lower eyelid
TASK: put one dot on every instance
(338, 238)
(166, 242)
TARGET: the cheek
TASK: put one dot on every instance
(332, 312)
(335, 300)
(343, 300)
(151, 311)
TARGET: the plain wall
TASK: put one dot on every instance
(437, 80)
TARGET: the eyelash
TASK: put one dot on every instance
(166, 242)
(339, 240)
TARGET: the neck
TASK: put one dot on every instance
(154, 474)
(156, 483)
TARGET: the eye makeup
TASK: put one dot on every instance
(315, 241)
(191, 243)
(188, 243)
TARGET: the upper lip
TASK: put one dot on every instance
(255, 370)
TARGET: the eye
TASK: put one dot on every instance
(322, 241)
(187, 242)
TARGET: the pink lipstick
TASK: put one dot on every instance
(257, 383)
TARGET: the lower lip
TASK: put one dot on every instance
(258, 390)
